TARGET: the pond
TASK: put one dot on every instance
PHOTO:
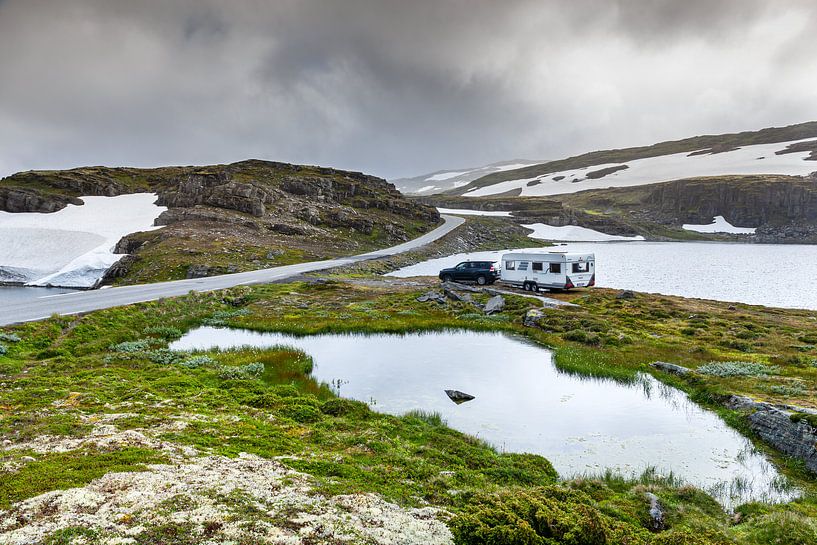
(523, 403)
(774, 275)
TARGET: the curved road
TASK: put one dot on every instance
(85, 301)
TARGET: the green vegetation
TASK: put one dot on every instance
(70, 372)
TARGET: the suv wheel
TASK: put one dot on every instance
(481, 280)
(447, 278)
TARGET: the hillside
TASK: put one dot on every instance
(230, 218)
(778, 150)
(782, 208)
(444, 180)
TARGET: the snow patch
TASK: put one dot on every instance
(446, 175)
(74, 246)
(720, 225)
(757, 159)
(467, 212)
(573, 233)
(426, 188)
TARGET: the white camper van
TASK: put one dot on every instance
(554, 270)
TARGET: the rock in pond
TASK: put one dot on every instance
(458, 397)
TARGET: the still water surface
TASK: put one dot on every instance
(21, 294)
(775, 275)
(524, 404)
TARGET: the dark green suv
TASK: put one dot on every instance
(481, 272)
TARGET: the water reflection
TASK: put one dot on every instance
(524, 404)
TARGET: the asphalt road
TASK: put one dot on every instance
(85, 301)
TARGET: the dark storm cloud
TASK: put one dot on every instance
(390, 87)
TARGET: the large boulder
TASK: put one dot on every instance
(495, 304)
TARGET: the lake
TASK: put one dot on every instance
(21, 294)
(775, 275)
(525, 404)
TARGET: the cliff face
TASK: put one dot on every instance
(782, 208)
(750, 200)
(235, 217)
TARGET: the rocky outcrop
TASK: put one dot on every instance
(671, 368)
(24, 200)
(789, 431)
(742, 200)
(236, 211)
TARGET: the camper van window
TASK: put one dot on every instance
(537, 266)
(510, 265)
(523, 265)
(580, 267)
(556, 268)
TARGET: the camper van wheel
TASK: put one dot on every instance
(534, 287)
(481, 280)
(526, 286)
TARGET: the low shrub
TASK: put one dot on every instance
(130, 347)
(345, 407)
(165, 356)
(737, 369)
(250, 370)
(197, 361)
(542, 515)
(9, 337)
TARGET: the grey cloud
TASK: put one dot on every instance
(389, 87)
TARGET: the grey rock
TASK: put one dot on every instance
(201, 271)
(458, 397)
(671, 368)
(780, 428)
(656, 513)
(532, 317)
(272, 254)
(432, 295)
(460, 287)
(495, 304)
(626, 294)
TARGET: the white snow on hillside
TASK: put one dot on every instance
(757, 159)
(443, 180)
(467, 212)
(446, 175)
(720, 225)
(74, 246)
(573, 233)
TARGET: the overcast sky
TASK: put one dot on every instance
(392, 88)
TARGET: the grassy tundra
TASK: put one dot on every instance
(86, 396)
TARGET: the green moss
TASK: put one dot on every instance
(67, 470)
